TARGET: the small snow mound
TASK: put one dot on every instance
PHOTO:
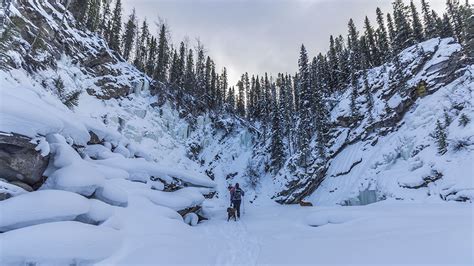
(323, 218)
(191, 219)
(59, 243)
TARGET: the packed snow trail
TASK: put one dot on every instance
(288, 235)
(241, 247)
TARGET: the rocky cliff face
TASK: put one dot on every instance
(387, 147)
(39, 33)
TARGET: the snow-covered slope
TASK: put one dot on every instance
(390, 151)
(117, 161)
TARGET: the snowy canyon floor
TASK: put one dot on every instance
(388, 232)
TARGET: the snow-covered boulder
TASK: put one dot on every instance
(59, 243)
(40, 207)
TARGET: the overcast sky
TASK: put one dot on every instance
(260, 36)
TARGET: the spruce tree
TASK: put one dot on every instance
(441, 138)
(373, 52)
(277, 153)
(241, 97)
(143, 41)
(207, 81)
(428, 19)
(173, 70)
(181, 67)
(369, 98)
(416, 23)
(189, 78)
(365, 57)
(469, 32)
(454, 12)
(214, 87)
(224, 85)
(343, 61)
(93, 15)
(444, 27)
(79, 9)
(334, 70)
(248, 97)
(354, 47)
(391, 33)
(200, 70)
(231, 100)
(129, 36)
(149, 57)
(464, 120)
(116, 27)
(304, 129)
(104, 25)
(404, 33)
(382, 38)
(354, 96)
(162, 60)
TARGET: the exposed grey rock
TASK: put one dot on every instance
(20, 162)
(22, 185)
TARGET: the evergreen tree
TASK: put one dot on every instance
(354, 47)
(277, 153)
(416, 23)
(214, 87)
(404, 33)
(224, 85)
(369, 98)
(116, 27)
(382, 38)
(464, 120)
(207, 81)
(241, 97)
(454, 12)
(247, 93)
(304, 129)
(150, 57)
(257, 100)
(105, 23)
(334, 70)
(373, 55)
(189, 78)
(428, 19)
(141, 60)
(441, 138)
(444, 27)
(181, 66)
(129, 36)
(365, 56)
(162, 60)
(343, 60)
(231, 100)
(93, 15)
(354, 96)
(469, 32)
(391, 32)
(173, 70)
(79, 9)
(200, 70)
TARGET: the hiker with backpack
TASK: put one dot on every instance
(236, 194)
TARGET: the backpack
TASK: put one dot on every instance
(237, 195)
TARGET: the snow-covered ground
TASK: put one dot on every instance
(388, 232)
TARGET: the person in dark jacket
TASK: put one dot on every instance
(236, 196)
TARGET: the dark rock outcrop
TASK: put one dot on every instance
(20, 162)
